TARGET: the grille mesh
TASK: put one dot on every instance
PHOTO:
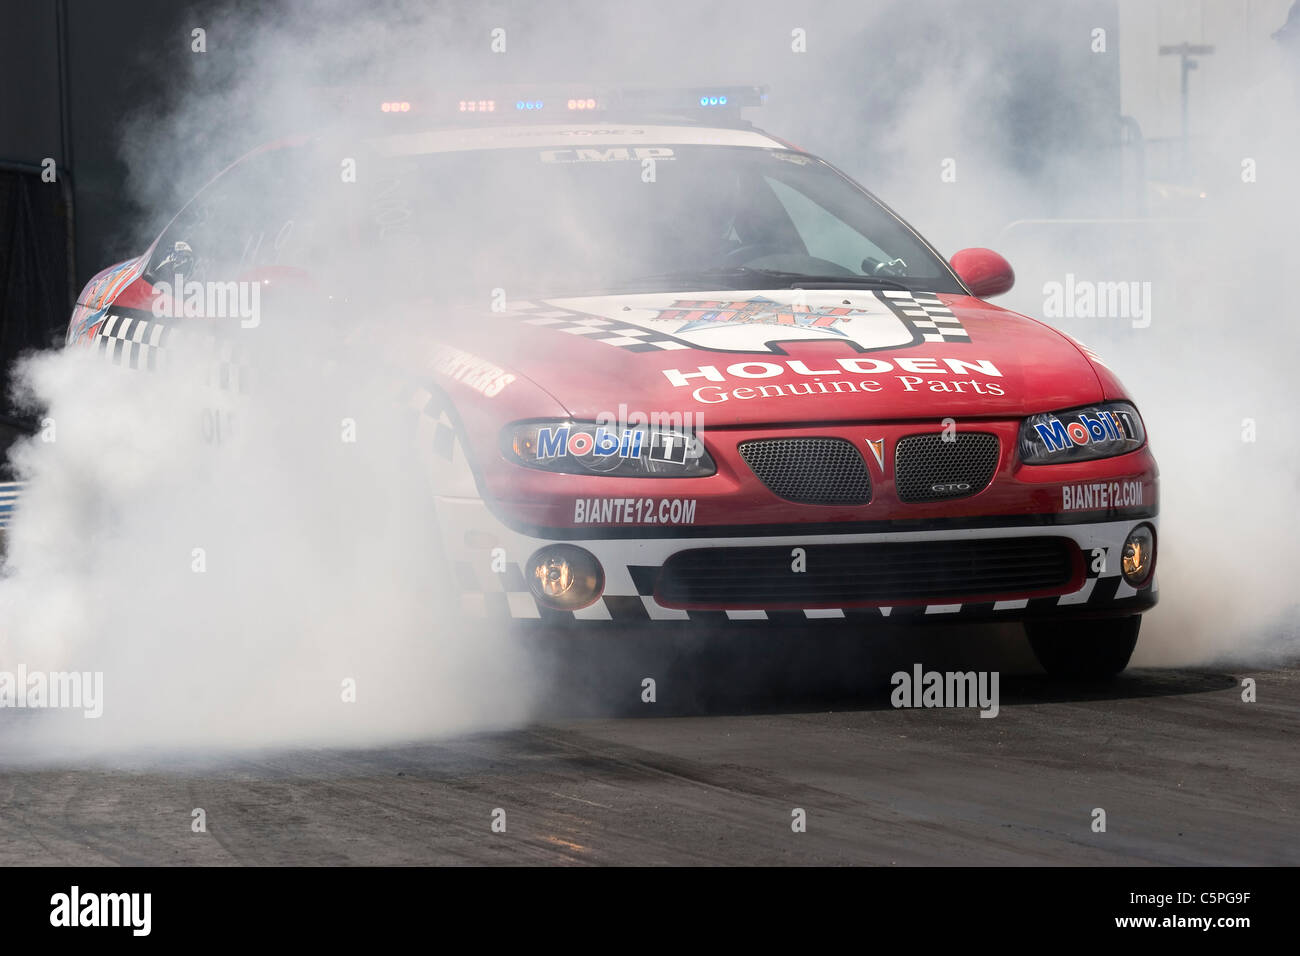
(841, 575)
(814, 471)
(965, 462)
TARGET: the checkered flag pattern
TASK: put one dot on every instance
(605, 331)
(136, 342)
(927, 314)
(505, 595)
(132, 342)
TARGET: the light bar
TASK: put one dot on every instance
(680, 104)
(728, 98)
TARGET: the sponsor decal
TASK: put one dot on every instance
(1059, 435)
(602, 442)
(668, 447)
(579, 442)
(1098, 495)
(471, 371)
(751, 322)
(579, 132)
(609, 154)
(709, 394)
(699, 314)
(667, 511)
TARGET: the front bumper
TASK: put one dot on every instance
(489, 561)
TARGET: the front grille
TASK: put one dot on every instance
(939, 467)
(840, 575)
(813, 471)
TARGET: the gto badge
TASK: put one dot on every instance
(952, 488)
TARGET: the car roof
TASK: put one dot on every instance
(571, 135)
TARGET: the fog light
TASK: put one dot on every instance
(565, 577)
(1139, 555)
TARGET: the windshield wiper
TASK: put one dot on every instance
(799, 279)
(791, 280)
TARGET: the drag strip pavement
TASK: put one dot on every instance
(713, 772)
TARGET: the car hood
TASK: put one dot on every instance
(760, 357)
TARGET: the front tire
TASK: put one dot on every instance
(1084, 650)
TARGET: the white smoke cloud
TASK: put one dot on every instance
(1212, 369)
(234, 566)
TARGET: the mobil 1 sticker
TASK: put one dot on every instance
(669, 447)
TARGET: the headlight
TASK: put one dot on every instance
(627, 451)
(1081, 434)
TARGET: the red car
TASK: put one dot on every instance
(688, 372)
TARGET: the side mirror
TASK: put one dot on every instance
(985, 272)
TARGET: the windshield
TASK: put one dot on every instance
(637, 219)
(549, 222)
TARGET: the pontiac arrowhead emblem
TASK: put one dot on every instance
(877, 446)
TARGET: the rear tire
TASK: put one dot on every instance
(1084, 650)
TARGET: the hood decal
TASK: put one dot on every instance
(750, 321)
(934, 320)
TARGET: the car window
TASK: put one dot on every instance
(825, 235)
(264, 211)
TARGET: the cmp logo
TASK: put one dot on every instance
(877, 448)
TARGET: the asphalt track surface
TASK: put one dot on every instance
(745, 730)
